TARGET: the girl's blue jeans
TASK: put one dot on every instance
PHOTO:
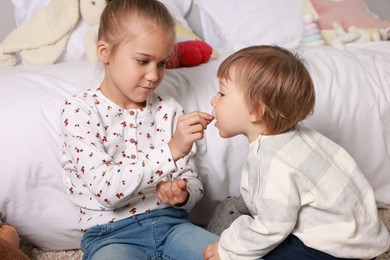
(159, 234)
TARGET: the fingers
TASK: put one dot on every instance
(193, 124)
(207, 253)
(204, 115)
(197, 117)
(162, 192)
(181, 184)
(190, 128)
(211, 252)
(172, 192)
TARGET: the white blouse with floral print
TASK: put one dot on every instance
(113, 158)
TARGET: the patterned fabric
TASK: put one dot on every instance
(113, 158)
(302, 183)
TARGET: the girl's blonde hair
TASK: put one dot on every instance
(120, 15)
(275, 83)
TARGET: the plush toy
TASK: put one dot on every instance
(225, 213)
(9, 243)
(354, 34)
(189, 53)
(43, 39)
(311, 33)
(381, 34)
(357, 34)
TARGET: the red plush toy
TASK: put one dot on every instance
(189, 53)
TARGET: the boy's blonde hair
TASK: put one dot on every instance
(275, 83)
(120, 15)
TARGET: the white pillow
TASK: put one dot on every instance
(178, 9)
(232, 24)
(32, 194)
(24, 10)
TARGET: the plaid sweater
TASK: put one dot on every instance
(301, 182)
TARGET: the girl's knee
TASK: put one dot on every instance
(119, 252)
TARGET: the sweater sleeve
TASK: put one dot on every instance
(194, 184)
(273, 217)
(186, 167)
(252, 237)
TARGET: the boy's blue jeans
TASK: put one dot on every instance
(292, 248)
(159, 234)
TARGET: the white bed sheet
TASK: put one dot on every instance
(353, 107)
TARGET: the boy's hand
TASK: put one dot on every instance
(172, 192)
(190, 128)
(211, 252)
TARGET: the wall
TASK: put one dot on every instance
(7, 23)
(380, 7)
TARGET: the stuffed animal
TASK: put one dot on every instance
(9, 243)
(189, 53)
(225, 213)
(381, 34)
(354, 34)
(43, 39)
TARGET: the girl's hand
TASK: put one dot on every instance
(211, 252)
(172, 192)
(190, 128)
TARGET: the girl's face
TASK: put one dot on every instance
(230, 110)
(136, 67)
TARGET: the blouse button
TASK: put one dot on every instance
(132, 113)
(133, 156)
(132, 125)
(132, 140)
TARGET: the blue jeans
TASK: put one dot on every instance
(159, 234)
(292, 248)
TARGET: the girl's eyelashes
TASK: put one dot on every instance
(220, 93)
(161, 64)
(142, 62)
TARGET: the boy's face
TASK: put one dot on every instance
(230, 109)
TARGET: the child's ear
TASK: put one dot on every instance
(103, 51)
(256, 113)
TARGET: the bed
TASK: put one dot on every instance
(352, 108)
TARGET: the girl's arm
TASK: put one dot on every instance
(190, 128)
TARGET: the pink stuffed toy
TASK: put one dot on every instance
(189, 54)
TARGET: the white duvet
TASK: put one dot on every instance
(352, 108)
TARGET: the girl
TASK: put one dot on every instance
(128, 152)
(306, 195)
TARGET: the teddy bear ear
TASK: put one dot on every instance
(241, 206)
(91, 11)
